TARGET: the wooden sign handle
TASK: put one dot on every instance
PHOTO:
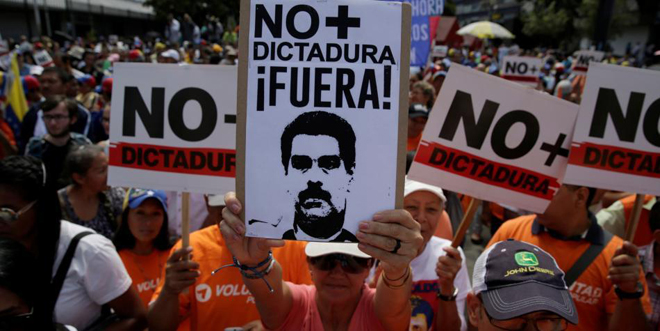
(631, 227)
(466, 222)
(185, 224)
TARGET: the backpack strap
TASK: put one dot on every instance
(58, 281)
(586, 258)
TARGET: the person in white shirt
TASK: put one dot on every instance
(30, 214)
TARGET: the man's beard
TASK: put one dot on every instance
(321, 227)
(64, 133)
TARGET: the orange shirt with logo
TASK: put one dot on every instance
(222, 301)
(593, 294)
(145, 271)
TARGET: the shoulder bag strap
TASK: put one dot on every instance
(586, 258)
(60, 275)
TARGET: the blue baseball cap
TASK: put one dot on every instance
(136, 196)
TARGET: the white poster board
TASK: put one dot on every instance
(616, 144)
(522, 69)
(42, 58)
(322, 115)
(583, 58)
(495, 140)
(440, 51)
(173, 127)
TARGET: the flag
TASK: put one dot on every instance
(17, 106)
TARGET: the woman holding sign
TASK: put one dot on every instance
(339, 294)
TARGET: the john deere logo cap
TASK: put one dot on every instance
(526, 259)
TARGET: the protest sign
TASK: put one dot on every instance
(440, 51)
(173, 127)
(616, 144)
(583, 58)
(522, 69)
(420, 30)
(42, 58)
(484, 138)
(321, 116)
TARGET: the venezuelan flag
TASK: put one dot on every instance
(17, 106)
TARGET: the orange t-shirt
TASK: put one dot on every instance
(221, 301)
(413, 142)
(593, 294)
(145, 271)
(444, 229)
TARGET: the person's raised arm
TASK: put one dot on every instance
(394, 238)
(180, 273)
(273, 306)
(625, 273)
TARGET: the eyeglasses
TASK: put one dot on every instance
(57, 118)
(17, 322)
(350, 264)
(326, 162)
(9, 215)
(520, 323)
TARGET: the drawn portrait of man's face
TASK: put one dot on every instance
(319, 180)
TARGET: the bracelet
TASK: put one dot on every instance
(387, 281)
(253, 272)
(395, 280)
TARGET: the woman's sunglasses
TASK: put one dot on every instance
(9, 215)
(348, 263)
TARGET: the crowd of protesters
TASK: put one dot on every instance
(76, 254)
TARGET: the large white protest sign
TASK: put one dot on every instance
(616, 144)
(323, 107)
(522, 69)
(495, 140)
(173, 127)
(583, 58)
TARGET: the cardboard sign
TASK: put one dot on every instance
(495, 140)
(522, 69)
(173, 127)
(322, 102)
(616, 144)
(582, 59)
(42, 58)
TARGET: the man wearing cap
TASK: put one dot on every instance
(518, 286)
(418, 114)
(611, 292)
(440, 277)
(169, 56)
(86, 94)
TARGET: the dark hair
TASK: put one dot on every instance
(124, 239)
(25, 176)
(55, 100)
(80, 160)
(319, 123)
(654, 216)
(17, 270)
(64, 76)
(420, 306)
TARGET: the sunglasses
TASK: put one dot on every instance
(348, 263)
(326, 162)
(9, 215)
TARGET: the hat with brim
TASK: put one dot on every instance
(136, 196)
(515, 301)
(315, 249)
(418, 110)
(412, 186)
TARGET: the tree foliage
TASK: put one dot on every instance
(565, 22)
(198, 10)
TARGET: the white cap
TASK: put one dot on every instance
(413, 186)
(173, 54)
(314, 249)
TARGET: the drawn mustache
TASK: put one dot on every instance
(314, 191)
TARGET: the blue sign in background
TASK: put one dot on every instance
(420, 31)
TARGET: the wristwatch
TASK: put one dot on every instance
(442, 297)
(630, 295)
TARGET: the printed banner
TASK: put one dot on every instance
(322, 116)
(495, 140)
(583, 58)
(173, 127)
(616, 143)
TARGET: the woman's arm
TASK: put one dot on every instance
(129, 308)
(273, 307)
